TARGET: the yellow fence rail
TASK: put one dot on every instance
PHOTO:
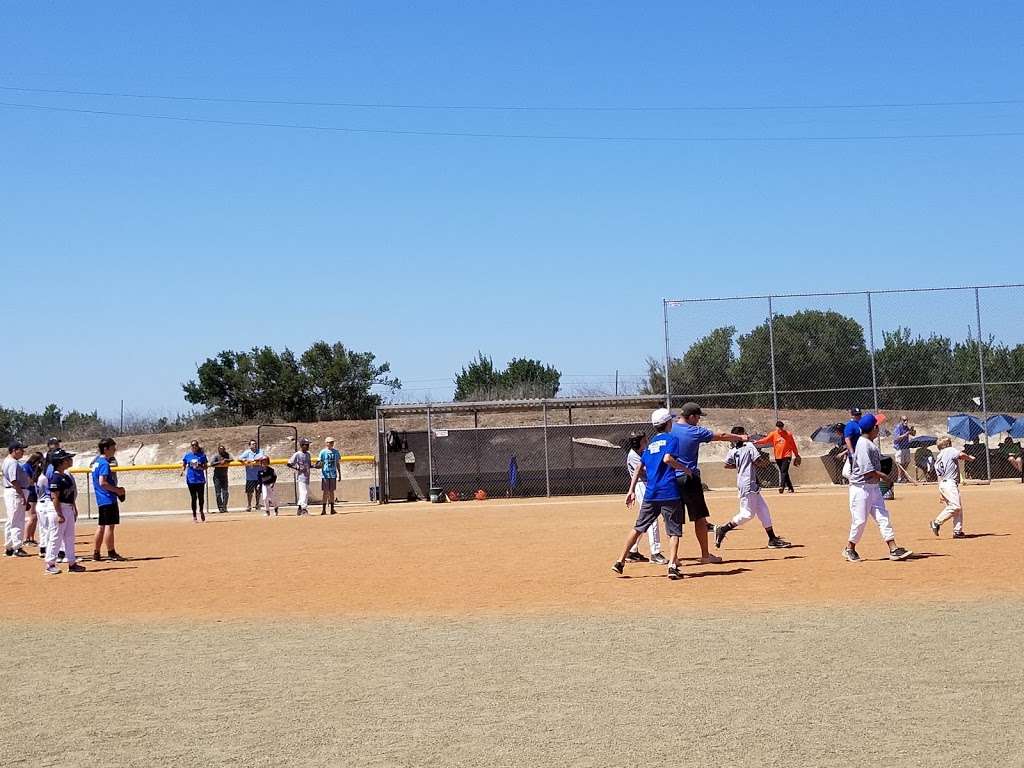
(355, 459)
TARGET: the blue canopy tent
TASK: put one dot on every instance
(999, 422)
(1017, 429)
(965, 426)
(923, 441)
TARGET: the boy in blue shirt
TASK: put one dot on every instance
(328, 462)
(662, 497)
(108, 494)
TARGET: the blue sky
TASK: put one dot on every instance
(161, 243)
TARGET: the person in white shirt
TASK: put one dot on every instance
(15, 482)
(947, 469)
(865, 497)
(637, 444)
(300, 463)
(745, 458)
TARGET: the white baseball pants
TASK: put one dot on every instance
(654, 532)
(269, 502)
(46, 517)
(751, 506)
(950, 492)
(61, 535)
(14, 527)
(866, 501)
(302, 491)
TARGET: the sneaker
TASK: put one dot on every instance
(76, 568)
(720, 531)
(710, 560)
(267, 513)
(113, 555)
(959, 535)
(96, 557)
(62, 558)
(275, 511)
(636, 557)
(935, 527)
(51, 570)
(851, 555)
(617, 567)
(899, 553)
(778, 543)
(674, 573)
(323, 511)
(202, 517)
(8, 553)
(19, 552)
(711, 527)
(332, 510)
(659, 559)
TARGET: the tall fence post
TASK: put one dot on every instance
(871, 337)
(430, 450)
(771, 352)
(981, 378)
(547, 466)
(668, 385)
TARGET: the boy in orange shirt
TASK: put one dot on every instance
(785, 451)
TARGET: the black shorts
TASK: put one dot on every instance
(110, 514)
(252, 486)
(32, 497)
(672, 511)
(691, 491)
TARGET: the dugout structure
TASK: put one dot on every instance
(508, 448)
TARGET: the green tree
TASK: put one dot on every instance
(521, 378)
(341, 381)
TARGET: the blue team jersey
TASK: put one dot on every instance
(193, 463)
(690, 439)
(101, 468)
(661, 478)
(852, 431)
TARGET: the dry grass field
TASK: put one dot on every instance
(495, 634)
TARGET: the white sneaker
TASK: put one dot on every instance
(710, 559)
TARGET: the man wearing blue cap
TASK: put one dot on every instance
(865, 497)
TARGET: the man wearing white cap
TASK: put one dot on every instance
(662, 496)
(329, 462)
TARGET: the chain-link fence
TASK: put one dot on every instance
(509, 449)
(950, 360)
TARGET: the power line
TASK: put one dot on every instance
(519, 136)
(524, 107)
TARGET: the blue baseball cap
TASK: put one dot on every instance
(869, 421)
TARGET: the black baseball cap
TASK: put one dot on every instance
(53, 441)
(58, 456)
(738, 431)
(691, 409)
(16, 445)
(855, 412)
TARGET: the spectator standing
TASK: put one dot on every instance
(329, 462)
(253, 459)
(15, 481)
(785, 451)
(851, 434)
(220, 462)
(108, 495)
(193, 466)
(301, 462)
(901, 435)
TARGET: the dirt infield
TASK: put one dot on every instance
(495, 634)
(526, 558)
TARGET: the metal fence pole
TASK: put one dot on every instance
(668, 385)
(547, 467)
(871, 335)
(430, 450)
(771, 352)
(981, 378)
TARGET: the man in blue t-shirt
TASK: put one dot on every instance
(691, 436)
(253, 460)
(851, 434)
(328, 461)
(660, 464)
(108, 494)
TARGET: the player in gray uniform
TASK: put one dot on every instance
(745, 458)
(300, 463)
(15, 482)
(865, 497)
(947, 468)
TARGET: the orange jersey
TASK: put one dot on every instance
(782, 442)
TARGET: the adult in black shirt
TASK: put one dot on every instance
(220, 462)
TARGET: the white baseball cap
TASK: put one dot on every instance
(661, 416)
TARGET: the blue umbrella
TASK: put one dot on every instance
(999, 422)
(923, 441)
(1017, 429)
(965, 426)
